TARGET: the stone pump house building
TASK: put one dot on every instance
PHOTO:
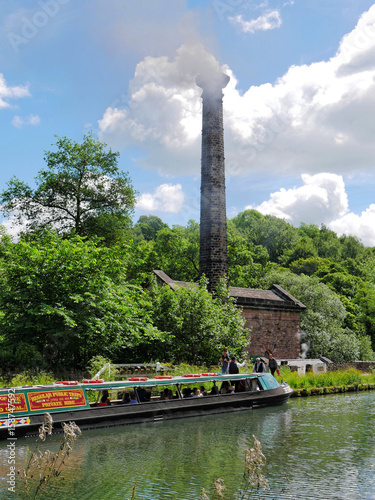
(273, 317)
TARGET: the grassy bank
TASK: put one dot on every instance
(328, 379)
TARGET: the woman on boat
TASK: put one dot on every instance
(104, 401)
(126, 398)
(226, 388)
(133, 399)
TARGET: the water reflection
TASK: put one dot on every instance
(325, 446)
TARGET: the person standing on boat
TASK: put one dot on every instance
(272, 363)
(225, 360)
(259, 366)
(234, 368)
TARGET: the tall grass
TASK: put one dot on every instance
(328, 379)
(254, 483)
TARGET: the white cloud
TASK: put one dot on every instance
(166, 198)
(8, 92)
(164, 113)
(19, 122)
(314, 118)
(321, 199)
(269, 21)
(362, 226)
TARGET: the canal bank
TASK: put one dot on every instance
(321, 391)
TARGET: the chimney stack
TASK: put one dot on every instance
(213, 258)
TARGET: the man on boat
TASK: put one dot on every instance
(234, 366)
(259, 366)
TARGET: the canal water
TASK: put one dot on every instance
(316, 448)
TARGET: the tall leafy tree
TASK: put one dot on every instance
(81, 182)
(274, 234)
(68, 300)
(199, 325)
(323, 322)
(178, 251)
(246, 262)
(149, 225)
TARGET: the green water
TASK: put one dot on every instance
(316, 448)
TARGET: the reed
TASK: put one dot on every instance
(42, 468)
(254, 481)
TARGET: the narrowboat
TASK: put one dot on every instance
(154, 399)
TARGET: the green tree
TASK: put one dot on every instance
(81, 182)
(351, 247)
(141, 260)
(308, 266)
(303, 249)
(274, 234)
(328, 244)
(246, 262)
(199, 325)
(323, 322)
(149, 225)
(178, 251)
(113, 229)
(69, 300)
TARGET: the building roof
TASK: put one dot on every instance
(273, 298)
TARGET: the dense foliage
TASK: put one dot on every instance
(66, 300)
(78, 284)
(199, 324)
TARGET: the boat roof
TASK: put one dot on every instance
(139, 381)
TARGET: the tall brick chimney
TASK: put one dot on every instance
(213, 258)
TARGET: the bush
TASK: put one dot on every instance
(199, 325)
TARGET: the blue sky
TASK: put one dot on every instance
(298, 111)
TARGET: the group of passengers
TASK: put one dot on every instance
(192, 392)
(143, 396)
(227, 387)
(130, 398)
(231, 366)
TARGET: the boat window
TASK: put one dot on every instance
(268, 381)
(254, 385)
(164, 393)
